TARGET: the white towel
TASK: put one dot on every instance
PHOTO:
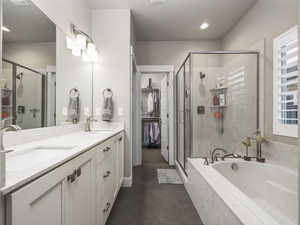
(150, 103)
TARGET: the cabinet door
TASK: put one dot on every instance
(119, 161)
(40, 202)
(121, 158)
(80, 193)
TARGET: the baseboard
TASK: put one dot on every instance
(127, 182)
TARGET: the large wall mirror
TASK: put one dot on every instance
(38, 72)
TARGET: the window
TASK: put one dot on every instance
(285, 78)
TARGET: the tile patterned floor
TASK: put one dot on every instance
(150, 203)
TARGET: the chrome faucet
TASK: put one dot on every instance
(215, 153)
(3, 130)
(231, 155)
(88, 123)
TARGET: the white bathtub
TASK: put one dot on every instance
(254, 194)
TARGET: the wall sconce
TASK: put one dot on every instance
(82, 45)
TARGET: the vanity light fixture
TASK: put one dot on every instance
(70, 43)
(204, 25)
(5, 29)
(76, 51)
(82, 45)
(81, 41)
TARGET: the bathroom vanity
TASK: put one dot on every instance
(71, 179)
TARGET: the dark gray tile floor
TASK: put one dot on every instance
(150, 203)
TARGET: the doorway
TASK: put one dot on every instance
(155, 115)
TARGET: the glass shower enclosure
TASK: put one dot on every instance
(24, 96)
(216, 102)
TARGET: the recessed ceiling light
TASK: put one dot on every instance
(5, 29)
(204, 26)
(157, 2)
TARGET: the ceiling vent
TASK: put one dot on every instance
(21, 2)
(157, 2)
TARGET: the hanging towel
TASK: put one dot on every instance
(107, 113)
(150, 103)
(73, 108)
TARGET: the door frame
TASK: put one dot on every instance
(137, 149)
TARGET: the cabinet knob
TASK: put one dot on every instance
(107, 207)
(121, 138)
(72, 177)
(106, 174)
(78, 172)
(106, 149)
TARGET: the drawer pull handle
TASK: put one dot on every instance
(107, 207)
(106, 149)
(120, 139)
(72, 177)
(78, 172)
(107, 174)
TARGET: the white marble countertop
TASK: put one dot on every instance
(25, 165)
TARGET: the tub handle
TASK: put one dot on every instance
(206, 162)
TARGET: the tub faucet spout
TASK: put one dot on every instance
(231, 155)
(215, 153)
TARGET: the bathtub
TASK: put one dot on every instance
(236, 192)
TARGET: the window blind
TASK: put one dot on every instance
(286, 83)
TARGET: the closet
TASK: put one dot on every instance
(151, 121)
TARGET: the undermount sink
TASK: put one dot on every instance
(39, 154)
(54, 147)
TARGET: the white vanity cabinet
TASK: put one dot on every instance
(80, 192)
(80, 188)
(110, 167)
(40, 202)
(63, 196)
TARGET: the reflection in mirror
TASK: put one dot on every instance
(29, 66)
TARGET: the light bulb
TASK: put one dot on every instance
(76, 51)
(81, 41)
(70, 43)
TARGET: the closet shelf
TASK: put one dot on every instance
(150, 89)
(218, 107)
(6, 90)
(151, 118)
(218, 90)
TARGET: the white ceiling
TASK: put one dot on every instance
(178, 20)
(27, 24)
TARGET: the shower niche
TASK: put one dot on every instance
(218, 107)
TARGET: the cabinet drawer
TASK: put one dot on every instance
(104, 150)
(105, 209)
(105, 179)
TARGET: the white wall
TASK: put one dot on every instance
(34, 55)
(112, 34)
(71, 72)
(156, 80)
(169, 52)
(62, 13)
(265, 21)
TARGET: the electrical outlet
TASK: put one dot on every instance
(121, 111)
(86, 111)
(98, 111)
(64, 111)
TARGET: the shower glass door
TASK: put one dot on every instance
(180, 117)
(29, 95)
(183, 96)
